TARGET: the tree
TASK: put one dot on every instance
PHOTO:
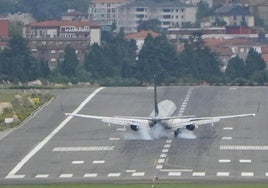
(254, 62)
(152, 24)
(157, 57)
(235, 68)
(18, 64)
(68, 66)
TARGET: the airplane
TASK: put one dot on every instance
(162, 117)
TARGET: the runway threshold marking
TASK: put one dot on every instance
(13, 172)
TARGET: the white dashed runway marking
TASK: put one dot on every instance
(42, 176)
(245, 161)
(224, 160)
(66, 176)
(98, 162)
(114, 174)
(91, 175)
(247, 174)
(198, 174)
(78, 162)
(248, 148)
(138, 174)
(174, 174)
(223, 174)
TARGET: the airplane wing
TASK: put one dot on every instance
(182, 123)
(125, 121)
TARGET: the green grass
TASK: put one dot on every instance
(139, 186)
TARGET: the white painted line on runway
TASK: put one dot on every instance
(226, 138)
(78, 162)
(245, 161)
(227, 128)
(98, 162)
(224, 160)
(121, 129)
(51, 135)
(130, 171)
(176, 170)
(42, 176)
(160, 160)
(163, 155)
(114, 174)
(223, 174)
(159, 167)
(135, 174)
(247, 148)
(114, 139)
(167, 146)
(266, 174)
(90, 175)
(199, 174)
(15, 176)
(174, 174)
(165, 150)
(247, 174)
(168, 141)
(90, 148)
(66, 176)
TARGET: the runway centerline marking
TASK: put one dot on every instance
(51, 135)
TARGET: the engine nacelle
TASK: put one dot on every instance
(134, 127)
(190, 127)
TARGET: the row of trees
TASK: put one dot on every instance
(117, 62)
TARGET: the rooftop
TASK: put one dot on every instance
(141, 35)
(233, 10)
(58, 23)
(153, 4)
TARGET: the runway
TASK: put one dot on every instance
(51, 147)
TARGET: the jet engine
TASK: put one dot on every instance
(134, 127)
(190, 127)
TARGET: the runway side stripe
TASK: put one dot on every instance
(51, 135)
(247, 174)
(223, 174)
(174, 174)
(66, 176)
(246, 148)
(114, 174)
(138, 174)
(199, 174)
(90, 148)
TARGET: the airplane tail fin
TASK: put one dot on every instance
(156, 111)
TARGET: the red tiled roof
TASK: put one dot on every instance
(4, 28)
(264, 50)
(265, 58)
(57, 23)
(141, 35)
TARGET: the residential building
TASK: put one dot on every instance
(103, 11)
(171, 14)
(24, 18)
(234, 15)
(195, 2)
(73, 15)
(48, 39)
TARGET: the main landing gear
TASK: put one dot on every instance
(178, 131)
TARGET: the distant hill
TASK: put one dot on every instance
(42, 9)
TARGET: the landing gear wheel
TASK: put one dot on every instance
(176, 132)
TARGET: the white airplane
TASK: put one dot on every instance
(161, 116)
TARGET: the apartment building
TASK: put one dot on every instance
(103, 11)
(171, 14)
(48, 39)
(3, 32)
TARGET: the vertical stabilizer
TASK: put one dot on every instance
(156, 111)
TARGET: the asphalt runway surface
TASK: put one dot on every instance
(50, 147)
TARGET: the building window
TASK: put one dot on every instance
(53, 51)
(53, 60)
(166, 10)
(139, 9)
(166, 16)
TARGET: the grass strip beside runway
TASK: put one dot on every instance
(139, 186)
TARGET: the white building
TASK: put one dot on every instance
(103, 11)
(170, 14)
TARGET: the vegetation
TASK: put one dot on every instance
(117, 62)
(19, 105)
